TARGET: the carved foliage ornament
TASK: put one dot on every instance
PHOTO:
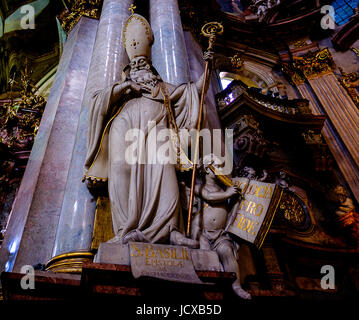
(237, 62)
(295, 76)
(79, 8)
(19, 122)
(292, 210)
(20, 119)
(350, 81)
(314, 64)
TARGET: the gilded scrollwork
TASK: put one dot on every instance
(310, 65)
(312, 137)
(19, 122)
(350, 81)
(237, 62)
(295, 75)
(20, 118)
(77, 9)
(291, 210)
(299, 44)
(314, 64)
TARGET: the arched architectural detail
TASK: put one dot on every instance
(261, 72)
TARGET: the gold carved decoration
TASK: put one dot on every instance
(356, 51)
(19, 122)
(299, 44)
(308, 66)
(79, 8)
(237, 62)
(312, 137)
(295, 75)
(292, 210)
(314, 64)
(20, 118)
(350, 81)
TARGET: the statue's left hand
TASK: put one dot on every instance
(233, 190)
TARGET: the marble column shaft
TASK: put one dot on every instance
(343, 158)
(340, 109)
(75, 227)
(32, 226)
(169, 55)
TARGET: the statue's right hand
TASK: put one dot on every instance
(132, 87)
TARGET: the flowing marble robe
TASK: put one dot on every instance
(144, 197)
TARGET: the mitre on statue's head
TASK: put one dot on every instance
(137, 37)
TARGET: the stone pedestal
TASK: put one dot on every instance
(113, 282)
(110, 253)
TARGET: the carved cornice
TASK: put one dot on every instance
(295, 111)
(77, 9)
(314, 64)
(308, 66)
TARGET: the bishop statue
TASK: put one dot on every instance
(144, 194)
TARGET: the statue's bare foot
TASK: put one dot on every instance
(179, 239)
(239, 291)
(116, 239)
(133, 236)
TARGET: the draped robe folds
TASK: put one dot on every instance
(144, 197)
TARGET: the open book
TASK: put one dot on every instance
(253, 215)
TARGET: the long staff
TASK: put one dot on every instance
(209, 30)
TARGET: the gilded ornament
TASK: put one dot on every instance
(291, 210)
(356, 51)
(311, 137)
(350, 81)
(237, 62)
(299, 44)
(314, 64)
(78, 9)
(295, 75)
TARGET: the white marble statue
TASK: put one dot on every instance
(144, 196)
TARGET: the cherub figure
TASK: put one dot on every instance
(249, 173)
(282, 180)
(215, 219)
